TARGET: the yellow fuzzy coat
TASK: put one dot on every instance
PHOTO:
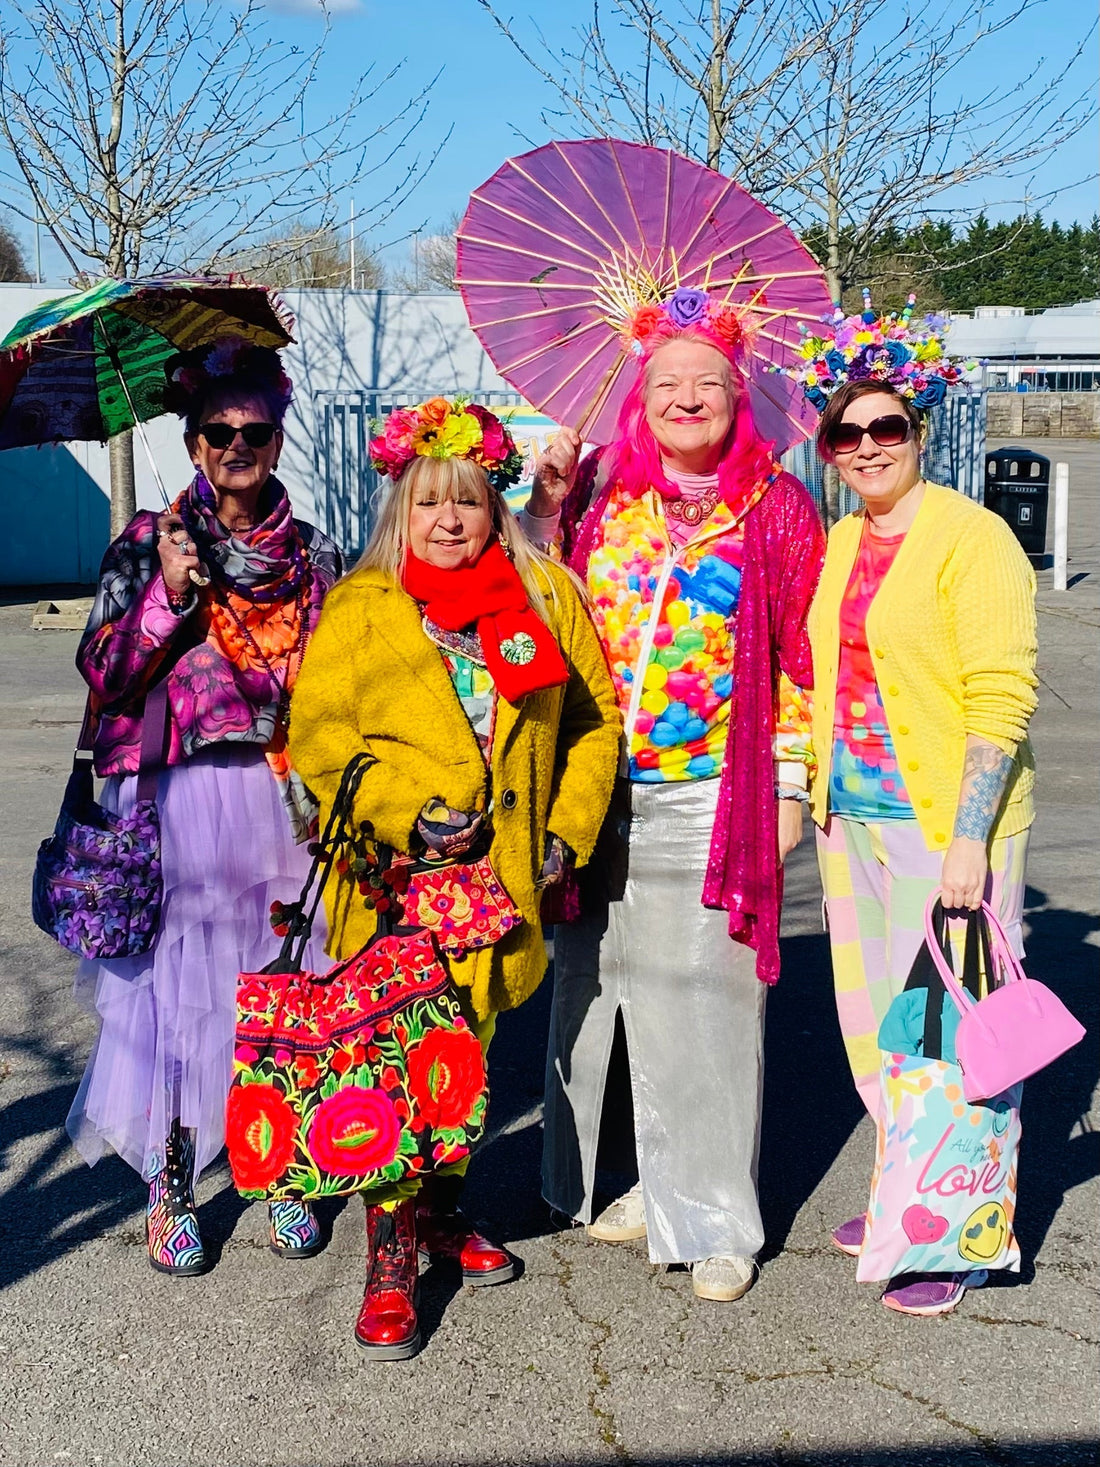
(373, 680)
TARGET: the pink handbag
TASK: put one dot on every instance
(1020, 1026)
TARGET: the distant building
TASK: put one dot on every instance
(1056, 350)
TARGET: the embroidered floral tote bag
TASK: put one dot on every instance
(356, 1078)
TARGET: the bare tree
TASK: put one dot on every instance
(13, 263)
(847, 116)
(306, 259)
(158, 134)
(880, 128)
(433, 260)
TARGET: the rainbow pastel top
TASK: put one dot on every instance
(666, 615)
(865, 782)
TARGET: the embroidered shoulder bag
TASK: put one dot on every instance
(357, 1078)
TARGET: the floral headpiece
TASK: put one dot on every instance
(653, 321)
(442, 429)
(191, 373)
(892, 349)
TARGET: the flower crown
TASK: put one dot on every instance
(868, 346)
(441, 429)
(651, 322)
(190, 373)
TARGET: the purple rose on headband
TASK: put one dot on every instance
(685, 307)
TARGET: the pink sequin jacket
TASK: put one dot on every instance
(784, 549)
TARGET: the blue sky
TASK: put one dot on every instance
(493, 101)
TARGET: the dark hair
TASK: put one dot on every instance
(842, 400)
(215, 375)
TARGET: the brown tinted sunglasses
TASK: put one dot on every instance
(889, 431)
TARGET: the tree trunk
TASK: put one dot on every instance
(715, 127)
(831, 496)
(123, 494)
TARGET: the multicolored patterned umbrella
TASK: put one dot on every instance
(90, 365)
(562, 245)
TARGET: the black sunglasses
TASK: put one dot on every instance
(221, 435)
(889, 431)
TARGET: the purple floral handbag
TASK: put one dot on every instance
(97, 881)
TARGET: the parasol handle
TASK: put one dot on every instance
(197, 578)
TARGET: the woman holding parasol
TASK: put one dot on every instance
(214, 600)
(701, 556)
(644, 299)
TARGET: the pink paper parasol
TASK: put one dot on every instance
(561, 245)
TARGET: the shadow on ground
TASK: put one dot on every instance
(49, 1205)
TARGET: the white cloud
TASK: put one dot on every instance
(311, 7)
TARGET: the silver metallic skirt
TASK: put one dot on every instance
(693, 1014)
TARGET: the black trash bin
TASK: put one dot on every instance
(1017, 487)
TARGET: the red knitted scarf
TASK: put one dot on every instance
(520, 652)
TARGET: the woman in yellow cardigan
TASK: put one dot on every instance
(924, 644)
(465, 662)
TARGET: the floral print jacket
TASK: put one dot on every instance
(133, 635)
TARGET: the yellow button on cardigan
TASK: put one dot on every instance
(953, 641)
(372, 679)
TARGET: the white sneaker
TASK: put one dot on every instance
(722, 1279)
(622, 1220)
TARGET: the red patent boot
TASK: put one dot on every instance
(387, 1326)
(444, 1234)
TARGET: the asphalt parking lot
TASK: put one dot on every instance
(592, 1355)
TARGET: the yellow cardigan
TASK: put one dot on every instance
(953, 637)
(372, 679)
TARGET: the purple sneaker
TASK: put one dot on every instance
(849, 1236)
(934, 1293)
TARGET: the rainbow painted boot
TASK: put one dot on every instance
(294, 1231)
(171, 1225)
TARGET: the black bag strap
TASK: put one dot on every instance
(978, 958)
(325, 850)
(924, 973)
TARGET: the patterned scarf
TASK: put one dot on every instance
(256, 611)
(269, 566)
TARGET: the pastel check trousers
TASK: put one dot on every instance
(877, 877)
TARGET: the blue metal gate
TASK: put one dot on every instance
(954, 454)
(342, 432)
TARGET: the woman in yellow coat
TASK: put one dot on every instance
(464, 661)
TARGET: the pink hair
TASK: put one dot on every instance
(634, 458)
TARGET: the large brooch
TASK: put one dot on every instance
(518, 650)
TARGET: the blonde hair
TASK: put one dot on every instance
(389, 542)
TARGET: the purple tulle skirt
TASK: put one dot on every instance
(165, 1045)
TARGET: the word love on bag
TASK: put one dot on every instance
(943, 1192)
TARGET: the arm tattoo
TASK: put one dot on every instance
(985, 774)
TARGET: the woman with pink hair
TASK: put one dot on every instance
(700, 556)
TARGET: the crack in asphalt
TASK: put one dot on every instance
(1056, 1329)
(992, 1448)
(865, 1370)
(602, 1416)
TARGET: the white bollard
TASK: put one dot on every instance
(1061, 525)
